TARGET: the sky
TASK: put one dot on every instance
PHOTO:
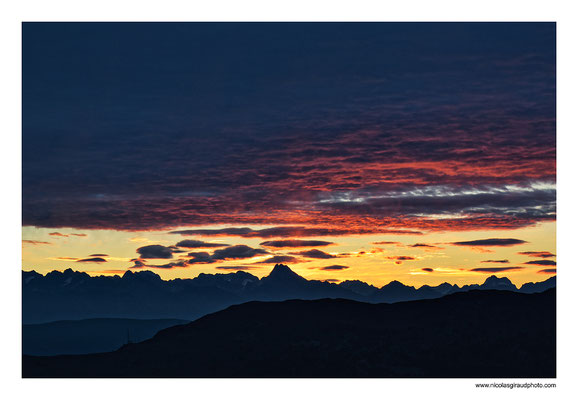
(424, 153)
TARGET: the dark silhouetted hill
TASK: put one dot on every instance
(479, 333)
(89, 335)
(537, 287)
(71, 295)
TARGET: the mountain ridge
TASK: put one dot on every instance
(144, 295)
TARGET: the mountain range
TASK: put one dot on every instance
(72, 295)
(89, 335)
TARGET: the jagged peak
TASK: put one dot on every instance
(282, 271)
(396, 283)
(494, 278)
(142, 274)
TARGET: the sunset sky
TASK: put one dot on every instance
(424, 153)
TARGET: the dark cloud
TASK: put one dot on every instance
(295, 243)
(547, 271)
(201, 258)
(99, 255)
(332, 280)
(57, 234)
(496, 261)
(540, 254)
(177, 264)
(195, 244)
(334, 268)
(94, 259)
(237, 252)
(453, 128)
(215, 232)
(34, 242)
(541, 262)
(496, 269)
(400, 259)
(426, 246)
(427, 269)
(292, 231)
(314, 253)
(491, 242)
(138, 263)
(280, 260)
(155, 251)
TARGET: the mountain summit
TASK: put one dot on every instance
(493, 282)
(282, 272)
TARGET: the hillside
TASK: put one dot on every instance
(89, 335)
(471, 334)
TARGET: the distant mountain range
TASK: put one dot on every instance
(476, 334)
(89, 335)
(72, 295)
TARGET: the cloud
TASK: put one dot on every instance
(176, 250)
(426, 246)
(333, 268)
(496, 269)
(541, 254)
(194, 244)
(237, 252)
(469, 145)
(201, 258)
(279, 260)
(547, 271)
(491, 242)
(496, 261)
(295, 243)
(541, 262)
(331, 280)
(427, 269)
(58, 234)
(99, 255)
(155, 251)
(400, 259)
(388, 243)
(215, 232)
(34, 242)
(314, 253)
(240, 268)
(176, 264)
(292, 231)
(94, 259)
(138, 263)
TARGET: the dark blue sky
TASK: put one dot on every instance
(142, 126)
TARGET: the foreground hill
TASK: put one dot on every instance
(471, 334)
(89, 335)
(71, 295)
